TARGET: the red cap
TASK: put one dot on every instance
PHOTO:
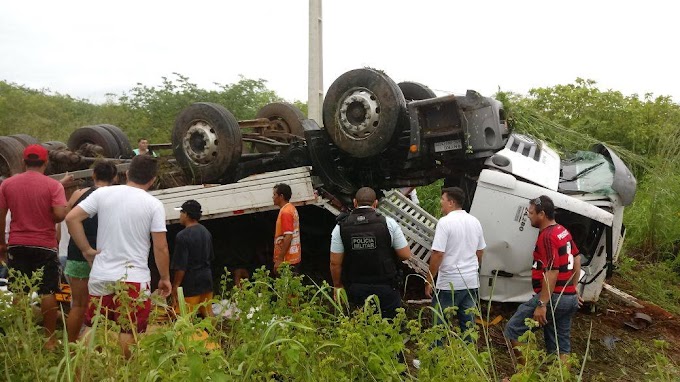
(35, 152)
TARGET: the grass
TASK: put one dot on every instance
(281, 329)
(657, 282)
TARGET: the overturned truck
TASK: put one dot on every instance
(385, 135)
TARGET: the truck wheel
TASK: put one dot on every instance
(25, 139)
(11, 156)
(206, 141)
(124, 146)
(287, 118)
(54, 145)
(95, 135)
(363, 111)
(414, 91)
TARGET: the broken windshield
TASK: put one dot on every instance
(587, 172)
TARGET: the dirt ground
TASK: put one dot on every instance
(616, 352)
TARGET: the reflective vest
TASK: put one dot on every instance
(369, 256)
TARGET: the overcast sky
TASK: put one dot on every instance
(89, 48)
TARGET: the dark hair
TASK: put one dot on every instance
(365, 196)
(455, 194)
(284, 190)
(105, 171)
(141, 139)
(32, 163)
(192, 209)
(545, 204)
(142, 169)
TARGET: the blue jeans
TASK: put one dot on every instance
(564, 306)
(464, 299)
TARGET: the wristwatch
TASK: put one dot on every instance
(540, 303)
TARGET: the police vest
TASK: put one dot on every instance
(369, 256)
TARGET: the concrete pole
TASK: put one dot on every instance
(315, 79)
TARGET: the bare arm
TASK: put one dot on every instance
(336, 268)
(479, 253)
(285, 244)
(74, 222)
(3, 245)
(547, 287)
(74, 198)
(176, 282)
(162, 256)
(576, 276)
(577, 271)
(435, 261)
(59, 213)
(403, 253)
(177, 279)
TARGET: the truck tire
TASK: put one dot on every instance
(288, 119)
(54, 145)
(363, 111)
(206, 141)
(124, 146)
(25, 139)
(11, 156)
(414, 91)
(96, 135)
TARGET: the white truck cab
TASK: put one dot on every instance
(589, 190)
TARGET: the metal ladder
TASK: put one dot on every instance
(416, 223)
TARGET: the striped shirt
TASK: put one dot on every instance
(555, 250)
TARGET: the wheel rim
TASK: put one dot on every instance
(200, 143)
(359, 113)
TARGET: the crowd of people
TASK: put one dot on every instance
(365, 245)
(114, 228)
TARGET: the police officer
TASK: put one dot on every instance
(365, 249)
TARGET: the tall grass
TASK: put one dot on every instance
(654, 218)
(280, 329)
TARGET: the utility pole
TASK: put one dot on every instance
(315, 79)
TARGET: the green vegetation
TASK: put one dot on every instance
(280, 329)
(303, 334)
(143, 111)
(658, 282)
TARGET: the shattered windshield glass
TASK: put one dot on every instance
(587, 172)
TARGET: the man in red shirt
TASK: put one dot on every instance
(287, 235)
(555, 273)
(37, 203)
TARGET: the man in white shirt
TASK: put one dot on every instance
(127, 217)
(456, 253)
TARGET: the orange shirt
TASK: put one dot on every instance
(288, 222)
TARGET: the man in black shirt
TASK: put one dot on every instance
(192, 260)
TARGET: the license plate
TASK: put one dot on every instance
(455, 144)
